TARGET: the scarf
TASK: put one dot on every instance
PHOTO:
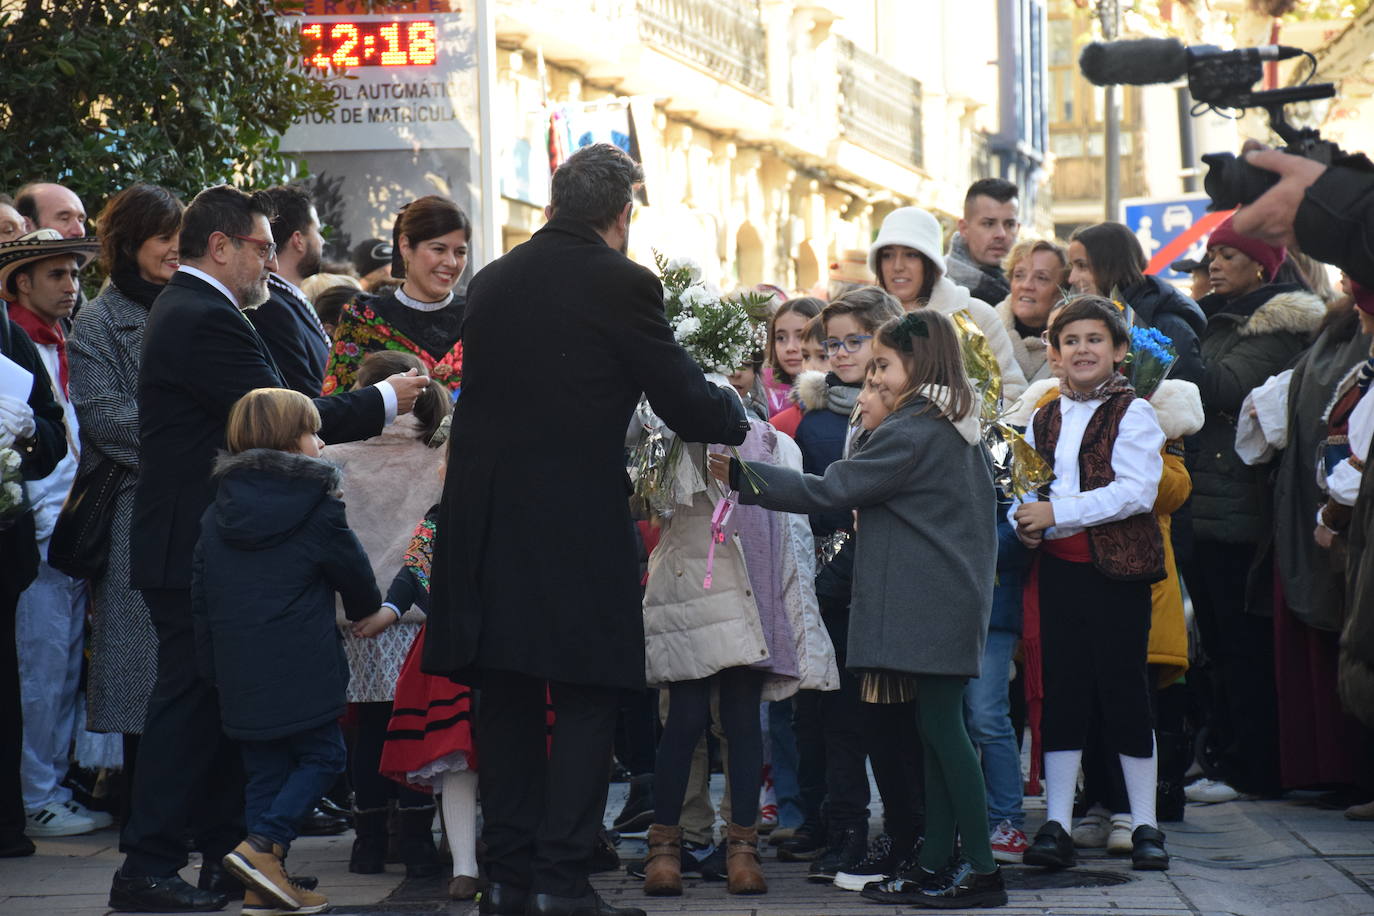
(132, 285)
(841, 397)
(1116, 384)
(44, 335)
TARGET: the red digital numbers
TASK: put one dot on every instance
(342, 45)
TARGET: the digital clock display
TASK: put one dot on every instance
(342, 45)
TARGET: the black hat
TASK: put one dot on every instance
(1188, 265)
(371, 254)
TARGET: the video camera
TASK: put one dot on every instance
(1221, 79)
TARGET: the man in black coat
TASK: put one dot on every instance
(35, 431)
(200, 355)
(287, 322)
(535, 569)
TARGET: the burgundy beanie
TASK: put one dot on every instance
(1364, 297)
(1269, 257)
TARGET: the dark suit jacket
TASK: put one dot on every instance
(200, 355)
(535, 562)
(295, 338)
(18, 544)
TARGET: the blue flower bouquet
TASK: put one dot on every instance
(1148, 360)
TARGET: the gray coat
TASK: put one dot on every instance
(104, 349)
(926, 550)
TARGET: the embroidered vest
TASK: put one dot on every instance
(1131, 549)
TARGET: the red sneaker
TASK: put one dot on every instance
(1008, 843)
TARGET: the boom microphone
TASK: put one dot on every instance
(1144, 61)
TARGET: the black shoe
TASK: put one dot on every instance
(604, 856)
(320, 823)
(1147, 849)
(14, 845)
(589, 904)
(638, 812)
(217, 879)
(167, 894)
(845, 849)
(712, 867)
(691, 864)
(333, 808)
(904, 888)
(878, 864)
(503, 900)
(806, 845)
(418, 852)
(1052, 848)
(963, 888)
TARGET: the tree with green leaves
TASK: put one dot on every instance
(100, 94)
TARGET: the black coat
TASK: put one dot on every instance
(535, 565)
(18, 542)
(200, 355)
(1159, 305)
(274, 548)
(1335, 221)
(294, 336)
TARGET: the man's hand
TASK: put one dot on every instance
(1324, 536)
(1033, 518)
(719, 466)
(1273, 213)
(374, 623)
(408, 386)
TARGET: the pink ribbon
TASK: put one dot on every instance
(720, 520)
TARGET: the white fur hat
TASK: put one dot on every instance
(913, 228)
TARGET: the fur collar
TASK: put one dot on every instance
(810, 389)
(1178, 407)
(282, 464)
(1027, 350)
(1020, 412)
(947, 297)
(1296, 312)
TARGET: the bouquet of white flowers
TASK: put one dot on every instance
(13, 500)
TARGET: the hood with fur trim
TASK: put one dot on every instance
(810, 388)
(266, 495)
(1291, 309)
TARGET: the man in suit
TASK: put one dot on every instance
(32, 427)
(200, 355)
(527, 600)
(287, 322)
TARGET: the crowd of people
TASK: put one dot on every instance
(853, 580)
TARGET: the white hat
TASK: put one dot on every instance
(913, 228)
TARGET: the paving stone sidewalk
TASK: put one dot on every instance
(1255, 858)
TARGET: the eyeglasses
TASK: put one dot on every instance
(266, 250)
(850, 343)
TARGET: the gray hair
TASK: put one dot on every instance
(594, 185)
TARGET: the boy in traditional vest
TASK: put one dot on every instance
(1099, 548)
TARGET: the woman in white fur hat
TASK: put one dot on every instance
(907, 259)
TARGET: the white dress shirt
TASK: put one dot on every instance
(1343, 484)
(1136, 460)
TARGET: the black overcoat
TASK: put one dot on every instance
(200, 355)
(535, 566)
(294, 337)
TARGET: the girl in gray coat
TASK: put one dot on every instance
(923, 572)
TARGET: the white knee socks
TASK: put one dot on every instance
(459, 798)
(1140, 774)
(1061, 779)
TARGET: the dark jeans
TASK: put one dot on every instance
(11, 722)
(841, 713)
(1240, 648)
(893, 741)
(189, 775)
(286, 776)
(543, 801)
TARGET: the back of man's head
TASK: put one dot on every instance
(999, 189)
(220, 209)
(594, 185)
(294, 212)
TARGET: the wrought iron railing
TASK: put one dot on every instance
(724, 37)
(880, 106)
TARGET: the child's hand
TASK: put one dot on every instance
(1032, 518)
(374, 624)
(719, 466)
(1032, 541)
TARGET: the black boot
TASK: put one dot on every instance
(1147, 849)
(418, 852)
(845, 848)
(806, 845)
(369, 843)
(1052, 848)
(638, 812)
(1175, 755)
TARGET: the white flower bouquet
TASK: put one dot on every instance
(13, 500)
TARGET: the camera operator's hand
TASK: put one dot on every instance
(1273, 213)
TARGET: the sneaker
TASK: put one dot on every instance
(102, 819)
(257, 863)
(878, 864)
(1210, 792)
(768, 818)
(768, 801)
(846, 847)
(1094, 829)
(57, 820)
(1119, 840)
(712, 865)
(256, 903)
(1009, 843)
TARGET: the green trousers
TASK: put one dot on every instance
(956, 799)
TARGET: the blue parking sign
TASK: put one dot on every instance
(1166, 226)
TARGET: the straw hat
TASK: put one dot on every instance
(40, 245)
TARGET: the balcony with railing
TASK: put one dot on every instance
(880, 106)
(723, 37)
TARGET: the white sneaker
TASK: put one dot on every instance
(57, 820)
(102, 819)
(1210, 792)
(1119, 840)
(1092, 831)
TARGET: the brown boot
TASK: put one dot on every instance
(663, 864)
(743, 874)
